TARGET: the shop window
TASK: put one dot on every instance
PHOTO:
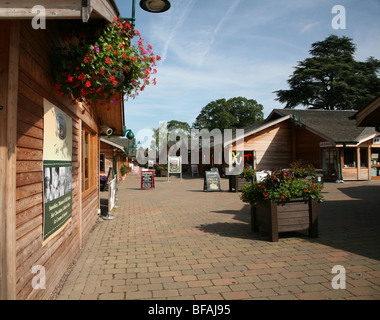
(364, 157)
(350, 157)
(102, 164)
(89, 150)
(329, 162)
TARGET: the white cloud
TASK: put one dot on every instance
(309, 26)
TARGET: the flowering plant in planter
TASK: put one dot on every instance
(104, 65)
(248, 173)
(300, 169)
(281, 186)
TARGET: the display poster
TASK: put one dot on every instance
(212, 181)
(112, 194)
(57, 170)
(147, 179)
(174, 164)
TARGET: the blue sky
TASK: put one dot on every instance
(213, 49)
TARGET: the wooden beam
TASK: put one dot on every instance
(4, 58)
(8, 140)
(68, 9)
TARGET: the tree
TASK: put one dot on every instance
(234, 113)
(168, 130)
(331, 79)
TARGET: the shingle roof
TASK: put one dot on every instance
(334, 124)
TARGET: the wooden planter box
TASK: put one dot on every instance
(276, 217)
(236, 183)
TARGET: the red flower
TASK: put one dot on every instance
(88, 84)
(133, 58)
(121, 45)
(124, 56)
(114, 83)
(112, 78)
(101, 72)
(70, 78)
(109, 47)
(85, 60)
(58, 86)
(108, 60)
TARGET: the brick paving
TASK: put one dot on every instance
(178, 242)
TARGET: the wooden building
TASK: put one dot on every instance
(330, 140)
(115, 152)
(35, 252)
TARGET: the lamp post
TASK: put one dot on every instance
(153, 6)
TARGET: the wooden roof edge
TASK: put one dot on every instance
(112, 143)
(258, 129)
(72, 9)
(366, 111)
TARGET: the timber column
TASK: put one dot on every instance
(9, 69)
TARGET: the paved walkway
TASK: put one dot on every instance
(178, 242)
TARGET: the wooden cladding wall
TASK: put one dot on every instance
(272, 146)
(35, 84)
(307, 146)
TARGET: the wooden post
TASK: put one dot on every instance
(313, 215)
(273, 221)
(9, 67)
(80, 166)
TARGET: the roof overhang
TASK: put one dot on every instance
(62, 9)
(112, 116)
(369, 116)
(111, 143)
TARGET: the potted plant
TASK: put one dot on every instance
(282, 202)
(159, 168)
(105, 65)
(238, 181)
(164, 171)
(123, 171)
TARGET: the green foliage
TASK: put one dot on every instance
(248, 173)
(331, 79)
(123, 169)
(300, 169)
(229, 114)
(281, 186)
(101, 63)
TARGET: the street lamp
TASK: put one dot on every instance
(154, 6)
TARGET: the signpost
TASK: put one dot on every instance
(194, 170)
(111, 198)
(211, 181)
(147, 179)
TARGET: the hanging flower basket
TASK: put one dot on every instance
(103, 64)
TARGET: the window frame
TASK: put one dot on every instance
(92, 168)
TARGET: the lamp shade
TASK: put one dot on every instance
(155, 6)
(130, 135)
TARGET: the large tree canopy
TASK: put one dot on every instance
(331, 79)
(229, 114)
